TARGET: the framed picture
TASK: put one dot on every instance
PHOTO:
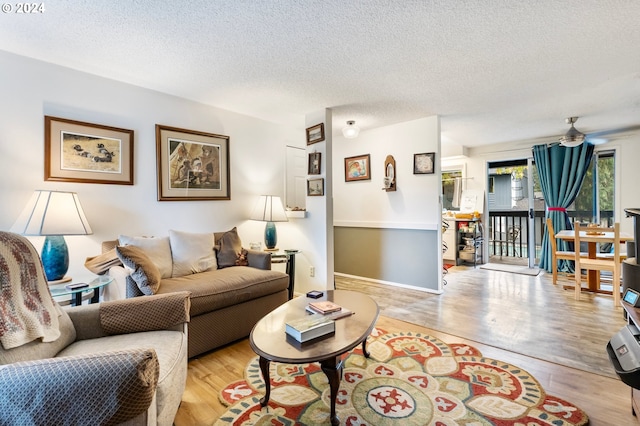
(315, 187)
(314, 163)
(357, 168)
(88, 153)
(423, 164)
(192, 165)
(315, 134)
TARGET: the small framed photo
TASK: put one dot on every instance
(315, 134)
(192, 165)
(314, 163)
(87, 153)
(357, 168)
(423, 164)
(315, 187)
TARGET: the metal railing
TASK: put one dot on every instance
(508, 230)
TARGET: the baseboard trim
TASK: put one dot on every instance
(410, 287)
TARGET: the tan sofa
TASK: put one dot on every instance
(226, 301)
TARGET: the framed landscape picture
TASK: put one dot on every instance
(75, 151)
(357, 168)
(192, 165)
(423, 163)
(315, 134)
(315, 187)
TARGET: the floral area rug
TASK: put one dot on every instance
(409, 379)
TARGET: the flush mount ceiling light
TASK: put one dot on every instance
(350, 131)
(573, 137)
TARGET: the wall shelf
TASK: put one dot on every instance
(296, 214)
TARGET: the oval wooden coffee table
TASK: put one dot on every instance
(269, 340)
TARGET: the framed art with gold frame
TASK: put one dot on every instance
(315, 134)
(192, 165)
(75, 151)
(357, 168)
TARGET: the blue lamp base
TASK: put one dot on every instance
(270, 236)
(55, 257)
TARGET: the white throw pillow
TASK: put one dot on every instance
(192, 253)
(156, 248)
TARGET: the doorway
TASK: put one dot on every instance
(515, 212)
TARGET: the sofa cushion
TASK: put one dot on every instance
(101, 263)
(145, 273)
(157, 248)
(218, 289)
(228, 248)
(191, 253)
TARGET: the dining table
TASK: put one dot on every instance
(592, 240)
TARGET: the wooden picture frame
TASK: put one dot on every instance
(315, 134)
(315, 163)
(357, 168)
(315, 187)
(192, 165)
(75, 151)
(424, 164)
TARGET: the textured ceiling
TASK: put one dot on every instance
(494, 70)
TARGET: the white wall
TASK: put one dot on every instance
(32, 89)
(416, 203)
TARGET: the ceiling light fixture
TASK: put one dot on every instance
(351, 131)
(573, 137)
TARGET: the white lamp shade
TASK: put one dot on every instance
(269, 208)
(350, 131)
(52, 213)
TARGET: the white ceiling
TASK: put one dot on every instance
(494, 70)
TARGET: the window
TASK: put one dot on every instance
(451, 189)
(595, 201)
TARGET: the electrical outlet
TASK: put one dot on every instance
(312, 271)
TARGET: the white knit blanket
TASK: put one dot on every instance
(27, 310)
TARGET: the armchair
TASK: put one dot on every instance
(118, 362)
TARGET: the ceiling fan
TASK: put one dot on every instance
(574, 137)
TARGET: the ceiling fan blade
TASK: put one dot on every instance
(627, 129)
(596, 141)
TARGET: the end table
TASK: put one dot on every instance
(288, 257)
(94, 285)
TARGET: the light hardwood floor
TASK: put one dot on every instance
(526, 321)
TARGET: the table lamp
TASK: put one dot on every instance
(53, 214)
(269, 209)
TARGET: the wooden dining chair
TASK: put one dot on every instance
(556, 254)
(599, 263)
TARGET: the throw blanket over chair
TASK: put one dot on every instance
(111, 363)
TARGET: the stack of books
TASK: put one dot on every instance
(325, 307)
(328, 309)
(310, 327)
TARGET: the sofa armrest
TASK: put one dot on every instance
(259, 259)
(107, 388)
(159, 312)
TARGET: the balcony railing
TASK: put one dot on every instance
(508, 230)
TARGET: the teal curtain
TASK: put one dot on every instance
(561, 172)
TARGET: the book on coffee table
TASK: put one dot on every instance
(324, 306)
(344, 312)
(310, 327)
